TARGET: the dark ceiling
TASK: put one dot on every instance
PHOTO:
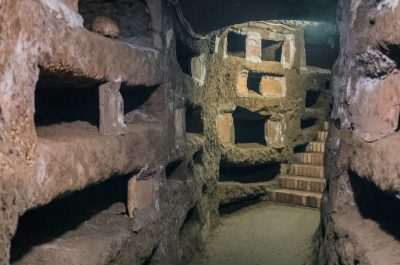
(209, 15)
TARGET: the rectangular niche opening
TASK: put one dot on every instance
(271, 50)
(254, 82)
(236, 44)
(47, 230)
(184, 55)
(61, 97)
(194, 122)
(308, 122)
(375, 204)
(249, 174)
(312, 97)
(263, 84)
(249, 127)
(141, 103)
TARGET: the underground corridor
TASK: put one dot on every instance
(182, 132)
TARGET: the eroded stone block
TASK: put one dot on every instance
(275, 132)
(225, 127)
(198, 68)
(288, 51)
(273, 86)
(111, 110)
(142, 194)
(242, 83)
(253, 47)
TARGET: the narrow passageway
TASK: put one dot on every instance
(263, 234)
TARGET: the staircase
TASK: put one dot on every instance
(306, 181)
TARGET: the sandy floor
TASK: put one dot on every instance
(263, 234)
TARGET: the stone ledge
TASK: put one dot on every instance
(232, 192)
(94, 242)
(72, 156)
(253, 154)
(369, 243)
(88, 54)
(377, 161)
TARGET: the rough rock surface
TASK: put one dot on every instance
(45, 165)
(360, 206)
(225, 92)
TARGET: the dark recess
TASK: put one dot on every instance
(301, 148)
(393, 52)
(271, 50)
(184, 55)
(136, 97)
(377, 205)
(308, 122)
(194, 123)
(236, 44)
(312, 97)
(253, 81)
(62, 97)
(44, 224)
(249, 126)
(327, 85)
(248, 174)
(191, 216)
(198, 157)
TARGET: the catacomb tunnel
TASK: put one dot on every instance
(181, 132)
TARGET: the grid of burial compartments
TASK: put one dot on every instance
(267, 59)
(239, 126)
(78, 113)
(270, 51)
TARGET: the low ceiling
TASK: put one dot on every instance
(209, 15)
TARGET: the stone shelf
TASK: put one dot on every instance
(93, 242)
(367, 238)
(231, 192)
(74, 155)
(377, 161)
(250, 154)
(84, 53)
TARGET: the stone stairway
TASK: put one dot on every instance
(306, 181)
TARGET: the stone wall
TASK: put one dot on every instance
(253, 104)
(360, 207)
(91, 132)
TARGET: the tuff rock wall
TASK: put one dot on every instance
(66, 179)
(360, 208)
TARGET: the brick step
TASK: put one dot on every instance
(307, 170)
(302, 183)
(295, 197)
(321, 136)
(315, 158)
(316, 147)
(325, 126)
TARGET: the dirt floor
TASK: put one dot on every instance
(263, 234)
